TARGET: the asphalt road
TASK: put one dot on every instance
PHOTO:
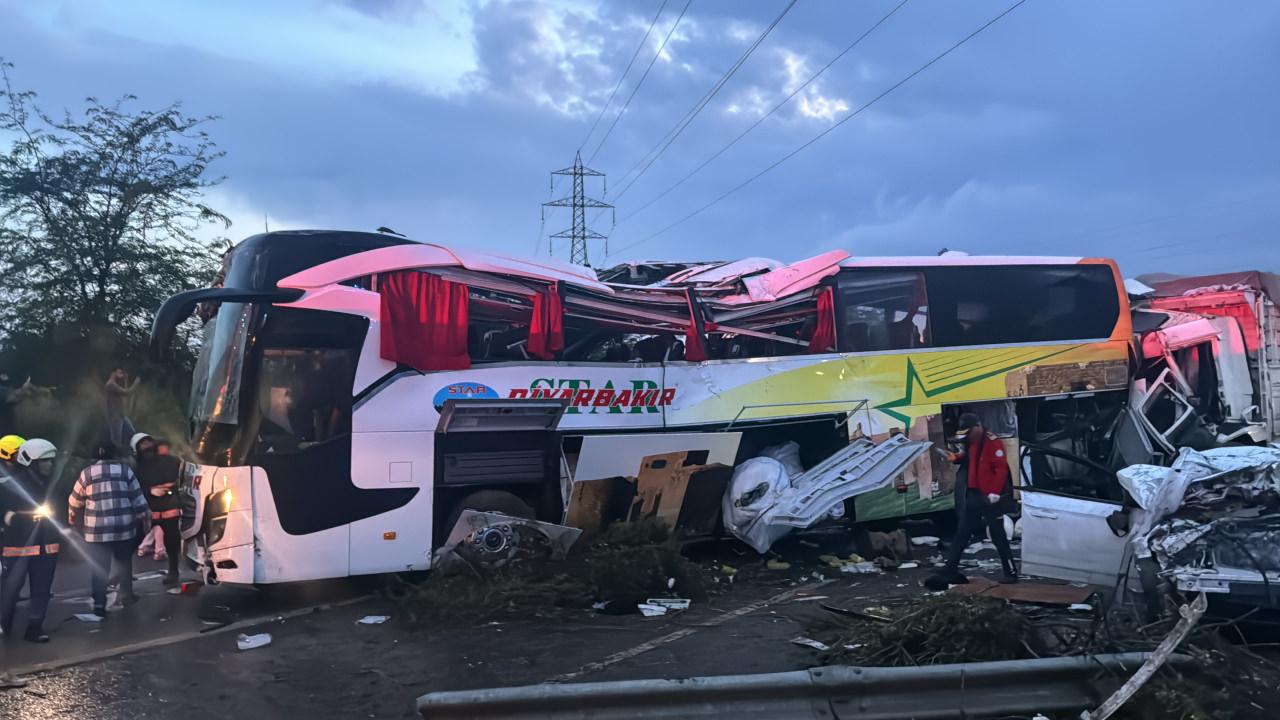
(159, 617)
(326, 665)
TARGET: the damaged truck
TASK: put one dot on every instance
(355, 393)
(1193, 504)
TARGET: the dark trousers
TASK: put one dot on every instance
(102, 554)
(38, 569)
(172, 542)
(973, 512)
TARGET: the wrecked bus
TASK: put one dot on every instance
(355, 392)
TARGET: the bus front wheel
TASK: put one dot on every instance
(490, 501)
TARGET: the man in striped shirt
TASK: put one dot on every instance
(109, 510)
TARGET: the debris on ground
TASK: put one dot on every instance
(622, 567)
(1043, 593)
(932, 630)
(670, 603)
(777, 565)
(810, 642)
(1224, 678)
(252, 642)
(1190, 615)
(496, 539)
(926, 540)
(373, 619)
(649, 610)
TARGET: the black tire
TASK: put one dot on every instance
(489, 501)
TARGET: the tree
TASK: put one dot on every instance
(99, 214)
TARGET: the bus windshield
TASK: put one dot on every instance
(215, 384)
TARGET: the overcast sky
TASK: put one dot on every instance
(1144, 131)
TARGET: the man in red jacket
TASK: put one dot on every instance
(984, 494)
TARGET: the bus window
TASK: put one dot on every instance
(304, 397)
(996, 304)
(881, 310)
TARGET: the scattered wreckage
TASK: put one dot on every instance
(1211, 522)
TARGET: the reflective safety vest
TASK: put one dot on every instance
(30, 550)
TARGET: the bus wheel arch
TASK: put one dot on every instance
(502, 501)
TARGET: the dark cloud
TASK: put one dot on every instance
(1088, 128)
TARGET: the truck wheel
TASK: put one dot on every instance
(489, 501)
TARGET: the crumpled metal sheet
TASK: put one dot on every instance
(761, 505)
(495, 539)
(1218, 508)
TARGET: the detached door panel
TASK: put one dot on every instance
(1068, 538)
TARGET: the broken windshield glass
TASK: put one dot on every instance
(215, 384)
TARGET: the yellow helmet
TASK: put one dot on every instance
(9, 445)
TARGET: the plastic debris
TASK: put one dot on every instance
(810, 642)
(810, 598)
(649, 610)
(250, 642)
(88, 617)
(1080, 607)
(908, 566)
(670, 603)
(860, 568)
(777, 565)
(373, 619)
(924, 540)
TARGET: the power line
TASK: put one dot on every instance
(623, 76)
(826, 132)
(766, 116)
(640, 82)
(542, 224)
(697, 108)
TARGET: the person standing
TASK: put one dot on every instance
(984, 494)
(118, 391)
(31, 540)
(158, 475)
(109, 510)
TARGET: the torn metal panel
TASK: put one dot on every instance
(854, 470)
(764, 504)
(1214, 521)
(495, 539)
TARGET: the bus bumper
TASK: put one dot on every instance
(221, 546)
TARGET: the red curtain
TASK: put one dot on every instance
(824, 333)
(424, 321)
(546, 329)
(695, 348)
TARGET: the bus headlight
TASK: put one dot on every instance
(220, 502)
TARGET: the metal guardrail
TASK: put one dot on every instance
(968, 690)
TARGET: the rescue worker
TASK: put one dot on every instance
(158, 475)
(984, 494)
(31, 539)
(9, 445)
(109, 510)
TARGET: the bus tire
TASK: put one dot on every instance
(490, 501)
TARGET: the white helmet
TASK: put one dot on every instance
(35, 449)
(137, 438)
